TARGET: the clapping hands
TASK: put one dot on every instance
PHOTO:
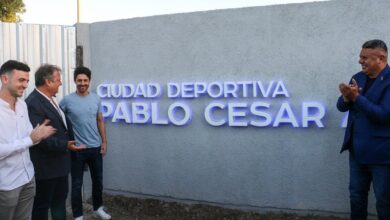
(350, 92)
(41, 132)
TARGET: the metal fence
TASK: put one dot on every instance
(36, 44)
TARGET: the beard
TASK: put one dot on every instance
(15, 91)
(82, 88)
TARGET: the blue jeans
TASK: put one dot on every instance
(360, 179)
(93, 158)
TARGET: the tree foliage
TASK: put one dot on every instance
(10, 10)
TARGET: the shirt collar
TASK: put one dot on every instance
(6, 104)
(48, 98)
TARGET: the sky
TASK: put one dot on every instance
(64, 12)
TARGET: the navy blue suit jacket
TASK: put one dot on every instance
(50, 157)
(368, 128)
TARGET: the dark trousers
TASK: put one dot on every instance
(50, 194)
(93, 158)
(359, 184)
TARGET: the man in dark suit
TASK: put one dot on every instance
(51, 156)
(367, 136)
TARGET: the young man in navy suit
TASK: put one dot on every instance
(51, 157)
(367, 136)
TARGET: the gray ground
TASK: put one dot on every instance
(123, 208)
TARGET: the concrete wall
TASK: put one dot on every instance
(311, 47)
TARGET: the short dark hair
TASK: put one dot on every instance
(11, 65)
(81, 70)
(375, 44)
(44, 72)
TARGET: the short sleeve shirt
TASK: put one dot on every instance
(82, 111)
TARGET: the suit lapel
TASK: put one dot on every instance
(50, 107)
(382, 77)
(361, 81)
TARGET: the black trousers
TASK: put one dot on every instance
(50, 194)
(93, 158)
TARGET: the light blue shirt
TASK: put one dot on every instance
(82, 111)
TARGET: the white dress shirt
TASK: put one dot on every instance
(16, 168)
